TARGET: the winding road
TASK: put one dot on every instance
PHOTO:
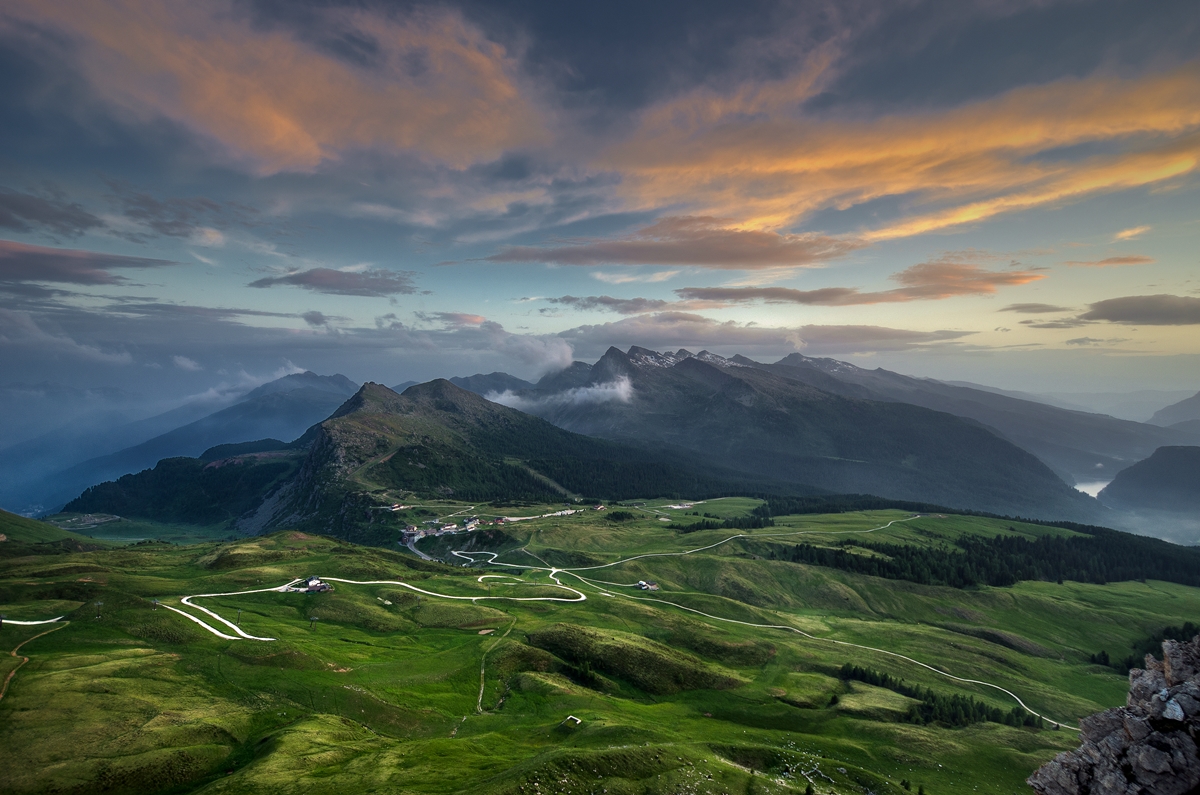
(554, 572)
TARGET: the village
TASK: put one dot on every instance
(438, 527)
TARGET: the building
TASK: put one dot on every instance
(647, 586)
(314, 585)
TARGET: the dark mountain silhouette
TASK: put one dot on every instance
(281, 409)
(765, 422)
(480, 383)
(1186, 410)
(1078, 445)
(490, 383)
(1169, 480)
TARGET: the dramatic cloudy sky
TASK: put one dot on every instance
(193, 193)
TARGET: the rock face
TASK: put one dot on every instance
(1147, 747)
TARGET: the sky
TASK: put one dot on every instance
(197, 196)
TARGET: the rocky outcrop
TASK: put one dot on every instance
(1147, 747)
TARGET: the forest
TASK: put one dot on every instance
(187, 490)
(953, 710)
(1101, 557)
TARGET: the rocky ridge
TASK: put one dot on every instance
(1147, 747)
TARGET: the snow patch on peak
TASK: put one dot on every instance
(643, 357)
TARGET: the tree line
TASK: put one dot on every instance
(1150, 645)
(1103, 557)
(751, 522)
(934, 707)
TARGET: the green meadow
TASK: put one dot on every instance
(383, 688)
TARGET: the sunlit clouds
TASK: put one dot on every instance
(962, 165)
(429, 83)
(1111, 262)
(419, 188)
(1133, 233)
(704, 242)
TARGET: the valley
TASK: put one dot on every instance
(660, 573)
(729, 677)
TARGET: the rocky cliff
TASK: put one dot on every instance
(1147, 747)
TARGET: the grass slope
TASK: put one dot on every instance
(31, 531)
(438, 441)
(390, 690)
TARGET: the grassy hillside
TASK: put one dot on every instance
(438, 441)
(400, 688)
(20, 537)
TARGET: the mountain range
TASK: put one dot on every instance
(283, 408)
(766, 423)
(437, 440)
(799, 426)
(1184, 415)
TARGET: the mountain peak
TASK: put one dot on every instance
(337, 384)
(370, 397)
(644, 357)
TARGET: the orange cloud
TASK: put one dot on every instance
(436, 86)
(924, 281)
(772, 167)
(1109, 262)
(689, 240)
(1131, 234)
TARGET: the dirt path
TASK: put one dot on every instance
(20, 665)
(483, 663)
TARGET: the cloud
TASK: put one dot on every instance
(1066, 322)
(686, 330)
(368, 283)
(771, 166)
(925, 281)
(1146, 310)
(23, 212)
(20, 330)
(454, 319)
(21, 262)
(315, 318)
(622, 306)
(1092, 341)
(198, 219)
(1132, 233)
(184, 363)
(631, 278)
(426, 82)
(704, 242)
(1033, 309)
(463, 333)
(1109, 262)
(619, 391)
(168, 310)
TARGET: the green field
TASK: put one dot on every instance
(394, 690)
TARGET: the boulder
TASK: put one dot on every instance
(1146, 747)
